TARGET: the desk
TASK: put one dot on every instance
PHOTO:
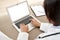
(5, 22)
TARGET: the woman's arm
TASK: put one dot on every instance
(23, 35)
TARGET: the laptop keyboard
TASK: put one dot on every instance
(25, 21)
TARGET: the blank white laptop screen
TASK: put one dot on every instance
(18, 11)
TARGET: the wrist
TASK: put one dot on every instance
(38, 25)
(24, 31)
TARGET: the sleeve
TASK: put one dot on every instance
(23, 36)
(55, 37)
(45, 26)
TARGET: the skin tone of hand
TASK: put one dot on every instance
(24, 28)
(35, 23)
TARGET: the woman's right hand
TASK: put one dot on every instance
(35, 23)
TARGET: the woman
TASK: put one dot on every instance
(51, 29)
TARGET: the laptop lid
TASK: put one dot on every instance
(18, 11)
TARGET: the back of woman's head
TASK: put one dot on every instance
(52, 10)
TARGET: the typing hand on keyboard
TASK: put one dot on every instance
(24, 28)
(35, 23)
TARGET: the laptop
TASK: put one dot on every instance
(19, 13)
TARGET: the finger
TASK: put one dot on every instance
(32, 22)
(31, 19)
(21, 25)
(26, 25)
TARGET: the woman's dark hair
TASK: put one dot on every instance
(52, 10)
